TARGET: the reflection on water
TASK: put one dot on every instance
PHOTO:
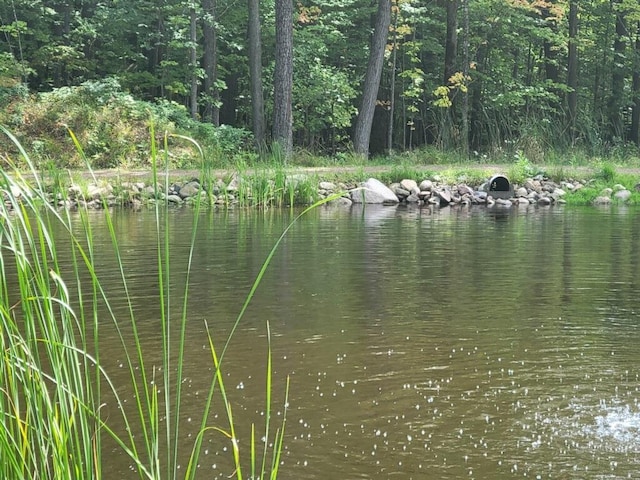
(421, 343)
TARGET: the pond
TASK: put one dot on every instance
(420, 343)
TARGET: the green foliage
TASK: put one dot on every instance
(522, 169)
(606, 172)
(112, 126)
(514, 91)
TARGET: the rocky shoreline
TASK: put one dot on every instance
(495, 191)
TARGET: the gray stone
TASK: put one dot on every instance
(444, 195)
(521, 192)
(234, 184)
(97, 192)
(401, 192)
(174, 199)
(374, 191)
(341, 202)
(544, 201)
(464, 189)
(602, 200)
(426, 186)
(410, 185)
(622, 195)
(329, 186)
(190, 189)
(480, 195)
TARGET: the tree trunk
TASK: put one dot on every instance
(464, 113)
(635, 114)
(192, 61)
(451, 41)
(477, 118)
(617, 78)
(362, 131)
(392, 87)
(255, 74)
(572, 70)
(283, 78)
(211, 112)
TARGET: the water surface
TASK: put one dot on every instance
(420, 343)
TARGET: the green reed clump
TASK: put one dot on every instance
(274, 187)
(53, 385)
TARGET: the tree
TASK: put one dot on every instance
(362, 132)
(283, 78)
(451, 41)
(193, 58)
(255, 74)
(572, 70)
(618, 73)
(211, 92)
(635, 89)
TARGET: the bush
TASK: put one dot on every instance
(110, 124)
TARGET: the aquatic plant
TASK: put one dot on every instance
(54, 387)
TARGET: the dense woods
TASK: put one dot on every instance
(476, 76)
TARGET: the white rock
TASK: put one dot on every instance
(373, 191)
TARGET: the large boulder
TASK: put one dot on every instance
(374, 191)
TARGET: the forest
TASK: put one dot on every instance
(327, 76)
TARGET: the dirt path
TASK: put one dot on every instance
(334, 170)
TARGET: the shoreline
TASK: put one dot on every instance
(436, 185)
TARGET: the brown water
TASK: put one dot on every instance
(420, 343)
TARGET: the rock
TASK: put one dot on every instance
(190, 189)
(399, 191)
(444, 195)
(234, 184)
(96, 192)
(410, 185)
(606, 192)
(413, 198)
(464, 189)
(618, 187)
(174, 199)
(558, 193)
(328, 186)
(340, 202)
(374, 191)
(479, 195)
(602, 200)
(544, 201)
(427, 186)
(622, 195)
(521, 192)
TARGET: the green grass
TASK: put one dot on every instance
(53, 384)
